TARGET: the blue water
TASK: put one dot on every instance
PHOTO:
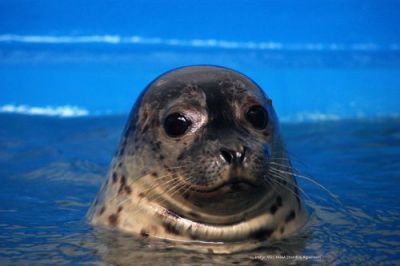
(51, 169)
(315, 59)
(108, 81)
(332, 69)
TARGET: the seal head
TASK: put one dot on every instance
(201, 158)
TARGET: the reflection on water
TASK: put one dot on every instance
(51, 169)
(124, 249)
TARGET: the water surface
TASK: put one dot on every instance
(51, 169)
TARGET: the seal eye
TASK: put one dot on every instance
(176, 124)
(257, 116)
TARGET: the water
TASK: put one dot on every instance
(51, 169)
(106, 78)
(336, 65)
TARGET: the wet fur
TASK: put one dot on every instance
(149, 187)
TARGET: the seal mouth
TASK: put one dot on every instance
(223, 203)
(234, 184)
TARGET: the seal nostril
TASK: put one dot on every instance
(233, 157)
(226, 155)
(243, 154)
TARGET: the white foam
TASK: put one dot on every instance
(60, 111)
(199, 43)
(112, 39)
(301, 117)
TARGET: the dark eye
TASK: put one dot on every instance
(176, 125)
(257, 116)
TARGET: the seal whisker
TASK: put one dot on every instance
(294, 157)
(160, 178)
(168, 185)
(178, 189)
(313, 182)
(171, 185)
(276, 182)
(279, 176)
(172, 191)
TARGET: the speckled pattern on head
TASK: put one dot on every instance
(201, 159)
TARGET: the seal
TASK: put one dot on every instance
(202, 159)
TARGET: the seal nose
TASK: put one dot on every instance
(233, 157)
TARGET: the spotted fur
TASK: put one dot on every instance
(186, 188)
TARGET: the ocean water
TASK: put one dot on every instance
(63, 105)
(51, 169)
(71, 70)
(310, 82)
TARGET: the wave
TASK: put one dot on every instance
(74, 111)
(301, 117)
(304, 117)
(194, 43)
(59, 111)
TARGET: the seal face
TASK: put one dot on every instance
(201, 158)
